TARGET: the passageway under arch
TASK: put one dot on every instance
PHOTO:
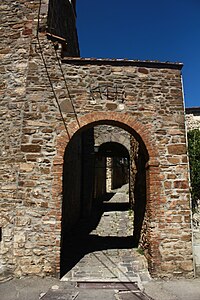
(104, 200)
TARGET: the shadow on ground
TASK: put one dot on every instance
(81, 241)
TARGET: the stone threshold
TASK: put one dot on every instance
(122, 286)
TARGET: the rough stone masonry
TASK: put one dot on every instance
(148, 104)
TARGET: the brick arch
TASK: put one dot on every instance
(129, 123)
(145, 135)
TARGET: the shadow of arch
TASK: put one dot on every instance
(113, 149)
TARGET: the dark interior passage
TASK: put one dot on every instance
(139, 196)
(86, 201)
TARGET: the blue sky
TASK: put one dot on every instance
(164, 30)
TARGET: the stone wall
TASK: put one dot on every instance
(143, 98)
(15, 39)
(29, 126)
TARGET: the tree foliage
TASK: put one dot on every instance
(194, 159)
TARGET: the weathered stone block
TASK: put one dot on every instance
(19, 238)
(111, 106)
(178, 149)
(187, 265)
(143, 70)
(27, 167)
(31, 269)
(32, 148)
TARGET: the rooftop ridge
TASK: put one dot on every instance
(123, 61)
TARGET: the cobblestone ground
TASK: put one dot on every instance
(109, 255)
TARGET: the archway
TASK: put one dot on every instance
(98, 217)
(142, 135)
(111, 167)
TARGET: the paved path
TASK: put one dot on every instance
(109, 255)
(118, 292)
(35, 288)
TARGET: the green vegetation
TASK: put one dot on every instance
(194, 159)
(130, 212)
(140, 251)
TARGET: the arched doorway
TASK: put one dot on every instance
(111, 167)
(85, 136)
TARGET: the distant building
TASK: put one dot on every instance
(192, 117)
